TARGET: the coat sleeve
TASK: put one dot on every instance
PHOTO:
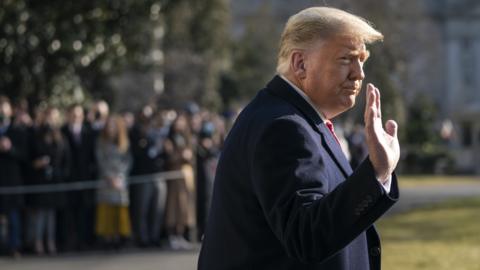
(310, 214)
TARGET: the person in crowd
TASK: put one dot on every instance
(50, 163)
(13, 157)
(342, 140)
(179, 210)
(98, 115)
(21, 115)
(76, 221)
(24, 122)
(207, 152)
(357, 145)
(129, 118)
(147, 139)
(195, 118)
(114, 160)
(285, 196)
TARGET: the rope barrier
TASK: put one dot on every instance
(91, 184)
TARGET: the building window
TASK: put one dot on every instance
(467, 139)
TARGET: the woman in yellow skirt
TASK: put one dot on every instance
(114, 160)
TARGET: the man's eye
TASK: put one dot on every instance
(345, 60)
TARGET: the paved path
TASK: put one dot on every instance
(167, 260)
(125, 260)
(413, 197)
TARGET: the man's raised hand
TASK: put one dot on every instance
(383, 146)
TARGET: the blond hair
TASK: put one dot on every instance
(120, 138)
(321, 23)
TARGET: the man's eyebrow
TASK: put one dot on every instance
(363, 53)
(358, 52)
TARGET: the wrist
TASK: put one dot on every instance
(383, 178)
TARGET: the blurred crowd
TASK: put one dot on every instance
(45, 145)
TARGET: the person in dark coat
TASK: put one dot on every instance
(207, 152)
(357, 146)
(13, 156)
(50, 162)
(285, 196)
(147, 206)
(77, 230)
(97, 116)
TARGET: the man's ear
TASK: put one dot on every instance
(297, 64)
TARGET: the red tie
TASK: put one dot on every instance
(329, 125)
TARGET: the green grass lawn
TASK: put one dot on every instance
(441, 237)
(435, 180)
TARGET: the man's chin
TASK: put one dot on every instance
(349, 102)
(341, 109)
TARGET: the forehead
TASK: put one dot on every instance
(344, 44)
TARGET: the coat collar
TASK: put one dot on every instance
(279, 87)
(282, 89)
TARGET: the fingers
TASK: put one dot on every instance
(369, 101)
(370, 95)
(371, 105)
(391, 127)
(378, 103)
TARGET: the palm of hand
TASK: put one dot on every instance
(383, 145)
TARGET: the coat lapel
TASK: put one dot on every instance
(334, 149)
(282, 89)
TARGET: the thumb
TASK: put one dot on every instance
(391, 127)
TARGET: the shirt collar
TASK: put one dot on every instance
(304, 96)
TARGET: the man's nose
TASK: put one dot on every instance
(357, 71)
